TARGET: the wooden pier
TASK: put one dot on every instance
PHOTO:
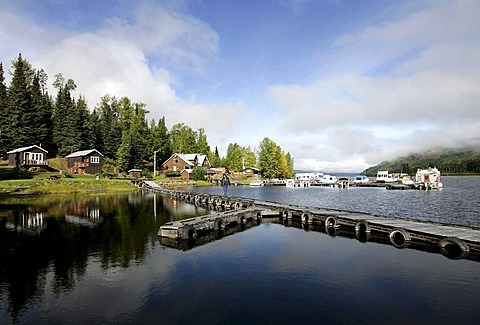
(452, 241)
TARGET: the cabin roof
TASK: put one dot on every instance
(25, 149)
(189, 158)
(83, 153)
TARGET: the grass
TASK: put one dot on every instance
(38, 183)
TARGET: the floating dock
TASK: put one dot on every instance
(453, 241)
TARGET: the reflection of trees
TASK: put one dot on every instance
(123, 233)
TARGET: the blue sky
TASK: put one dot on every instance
(340, 84)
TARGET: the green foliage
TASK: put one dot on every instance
(273, 161)
(159, 141)
(214, 158)
(21, 116)
(20, 173)
(108, 168)
(131, 152)
(4, 117)
(202, 143)
(171, 173)
(183, 139)
(198, 174)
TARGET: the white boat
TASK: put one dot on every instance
(289, 183)
(327, 180)
(428, 179)
(307, 177)
(361, 179)
(384, 177)
(256, 184)
(405, 179)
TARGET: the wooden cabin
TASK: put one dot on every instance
(85, 162)
(180, 162)
(32, 156)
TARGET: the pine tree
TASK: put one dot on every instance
(64, 118)
(159, 141)
(42, 108)
(22, 116)
(109, 126)
(132, 151)
(4, 117)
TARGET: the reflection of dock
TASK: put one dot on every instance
(450, 240)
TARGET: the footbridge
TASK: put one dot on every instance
(233, 214)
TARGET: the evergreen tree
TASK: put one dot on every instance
(159, 141)
(5, 140)
(214, 158)
(132, 150)
(22, 116)
(42, 108)
(109, 125)
(64, 117)
(84, 133)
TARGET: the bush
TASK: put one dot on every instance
(198, 174)
(20, 173)
(171, 173)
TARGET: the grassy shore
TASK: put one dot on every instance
(39, 183)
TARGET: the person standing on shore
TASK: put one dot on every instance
(225, 182)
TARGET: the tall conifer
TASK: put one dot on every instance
(4, 117)
(23, 120)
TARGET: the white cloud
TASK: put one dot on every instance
(408, 84)
(422, 101)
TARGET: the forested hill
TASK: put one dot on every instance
(449, 161)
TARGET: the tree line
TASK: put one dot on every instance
(118, 128)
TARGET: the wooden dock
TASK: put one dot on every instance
(450, 240)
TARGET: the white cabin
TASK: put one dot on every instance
(384, 176)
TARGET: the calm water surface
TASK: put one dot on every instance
(98, 259)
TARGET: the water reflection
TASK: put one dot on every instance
(61, 237)
(97, 259)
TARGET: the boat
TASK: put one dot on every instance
(256, 184)
(384, 177)
(326, 180)
(428, 179)
(343, 182)
(361, 179)
(289, 183)
(405, 179)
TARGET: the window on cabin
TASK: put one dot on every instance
(94, 159)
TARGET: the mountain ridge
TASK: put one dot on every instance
(464, 160)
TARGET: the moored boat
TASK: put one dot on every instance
(428, 179)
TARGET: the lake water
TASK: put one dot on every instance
(97, 259)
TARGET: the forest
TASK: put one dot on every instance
(449, 161)
(117, 127)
